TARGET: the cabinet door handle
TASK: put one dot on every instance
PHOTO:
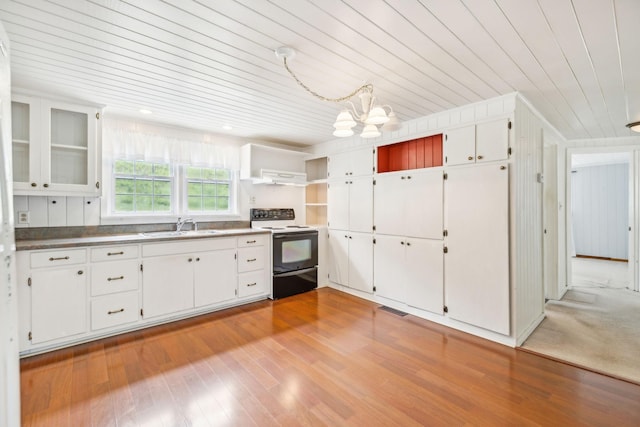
(480, 157)
(470, 158)
(115, 278)
(250, 241)
(33, 184)
(45, 185)
(252, 284)
(115, 311)
(251, 260)
(59, 258)
(115, 253)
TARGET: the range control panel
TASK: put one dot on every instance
(272, 214)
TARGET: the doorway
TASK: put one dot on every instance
(600, 243)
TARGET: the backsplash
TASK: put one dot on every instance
(55, 211)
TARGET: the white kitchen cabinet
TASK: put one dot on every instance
(251, 283)
(215, 278)
(409, 203)
(351, 259)
(58, 303)
(352, 163)
(476, 265)
(167, 285)
(57, 148)
(351, 204)
(483, 142)
(118, 309)
(410, 271)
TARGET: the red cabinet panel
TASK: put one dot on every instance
(414, 154)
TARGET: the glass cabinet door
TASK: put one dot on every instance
(25, 138)
(69, 147)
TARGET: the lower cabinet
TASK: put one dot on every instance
(167, 285)
(351, 259)
(410, 271)
(214, 277)
(68, 296)
(58, 303)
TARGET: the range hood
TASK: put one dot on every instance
(270, 176)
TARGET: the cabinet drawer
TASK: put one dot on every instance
(114, 253)
(250, 259)
(56, 258)
(114, 310)
(253, 240)
(252, 283)
(112, 277)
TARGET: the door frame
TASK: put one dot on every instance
(634, 221)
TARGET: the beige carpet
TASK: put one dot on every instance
(597, 328)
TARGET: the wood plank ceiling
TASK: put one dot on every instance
(206, 64)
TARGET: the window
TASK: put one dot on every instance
(208, 189)
(142, 187)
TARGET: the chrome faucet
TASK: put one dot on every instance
(182, 222)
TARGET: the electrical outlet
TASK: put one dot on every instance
(23, 217)
(252, 200)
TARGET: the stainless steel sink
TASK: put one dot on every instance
(179, 233)
(164, 233)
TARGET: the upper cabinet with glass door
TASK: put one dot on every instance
(56, 148)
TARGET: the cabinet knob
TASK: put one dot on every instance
(197, 259)
(480, 157)
(402, 177)
(470, 158)
(350, 237)
(45, 185)
(33, 184)
(190, 259)
(80, 272)
(402, 243)
(408, 244)
(409, 177)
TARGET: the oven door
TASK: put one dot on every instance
(295, 251)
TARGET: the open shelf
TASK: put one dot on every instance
(414, 154)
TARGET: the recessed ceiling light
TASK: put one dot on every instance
(145, 111)
(227, 127)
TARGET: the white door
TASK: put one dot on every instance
(492, 140)
(338, 204)
(58, 303)
(388, 202)
(167, 285)
(215, 278)
(338, 166)
(477, 263)
(339, 256)
(424, 274)
(459, 146)
(423, 209)
(361, 162)
(361, 262)
(389, 267)
(360, 204)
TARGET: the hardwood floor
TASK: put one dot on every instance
(321, 358)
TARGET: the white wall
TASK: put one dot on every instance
(600, 210)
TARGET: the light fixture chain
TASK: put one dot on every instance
(363, 88)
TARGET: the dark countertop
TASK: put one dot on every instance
(117, 239)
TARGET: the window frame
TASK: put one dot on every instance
(172, 178)
(184, 182)
(179, 197)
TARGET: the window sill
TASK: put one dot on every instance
(162, 219)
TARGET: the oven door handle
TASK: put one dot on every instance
(294, 234)
(296, 273)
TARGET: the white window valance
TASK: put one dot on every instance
(123, 139)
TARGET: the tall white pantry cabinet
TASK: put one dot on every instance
(458, 244)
